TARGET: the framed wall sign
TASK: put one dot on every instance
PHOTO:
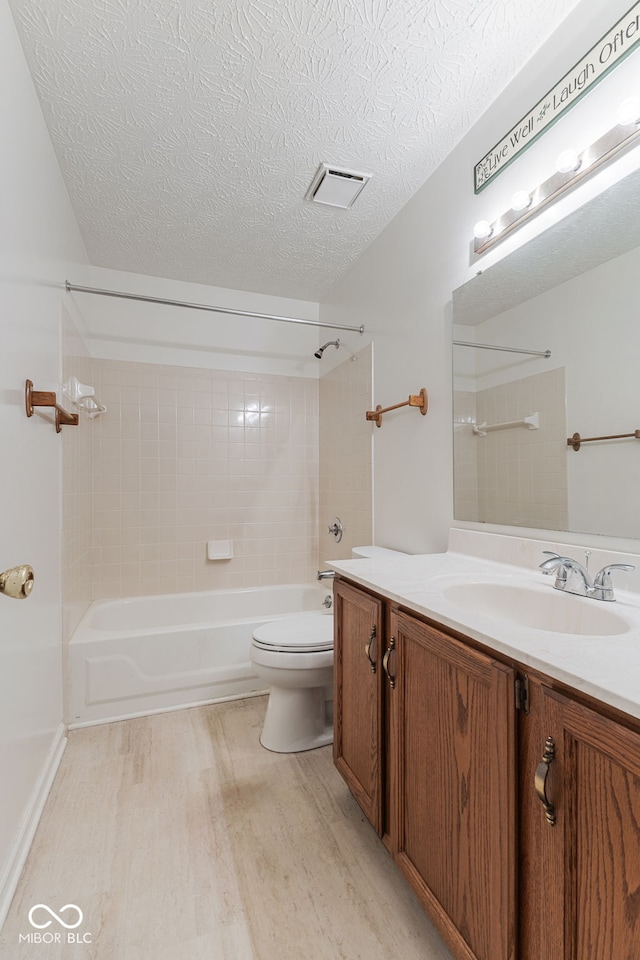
(617, 44)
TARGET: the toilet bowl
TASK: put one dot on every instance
(294, 656)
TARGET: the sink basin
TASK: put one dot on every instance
(538, 608)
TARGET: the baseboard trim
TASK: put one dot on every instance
(11, 876)
(172, 709)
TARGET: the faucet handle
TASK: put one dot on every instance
(336, 529)
(603, 582)
(605, 574)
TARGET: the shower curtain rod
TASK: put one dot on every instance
(202, 306)
(490, 346)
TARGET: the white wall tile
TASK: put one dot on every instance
(345, 455)
(186, 455)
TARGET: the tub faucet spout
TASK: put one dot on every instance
(325, 575)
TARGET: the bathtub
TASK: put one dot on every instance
(147, 654)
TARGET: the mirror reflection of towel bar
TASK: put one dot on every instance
(490, 346)
(482, 429)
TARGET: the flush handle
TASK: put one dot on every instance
(367, 648)
(540, 781)
(17, 582)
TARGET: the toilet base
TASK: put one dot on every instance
(298, 719)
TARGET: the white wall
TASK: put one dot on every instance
(37, 234)
(152, 333)
(401, 286)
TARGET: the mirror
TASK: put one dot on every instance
(574, 291)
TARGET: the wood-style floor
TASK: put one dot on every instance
(181, 838)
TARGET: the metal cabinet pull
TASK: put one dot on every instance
(540, 780)
(367, 648)
(385, 662)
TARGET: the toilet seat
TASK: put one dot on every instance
(311, 633)
(294, 657)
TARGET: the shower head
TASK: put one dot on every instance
(329, 343)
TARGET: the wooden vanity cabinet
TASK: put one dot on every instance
(519, 831)
(358, 733)
(426, 743)
(452, 771)
(580, 856)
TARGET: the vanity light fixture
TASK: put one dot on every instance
(520, 200)
(571, 168)
(629, 111)
(482, 230)
(568, 161)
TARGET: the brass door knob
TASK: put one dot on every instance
(17, 582)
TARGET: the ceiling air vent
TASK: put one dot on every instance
(336, 187)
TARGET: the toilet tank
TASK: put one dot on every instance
(372, 551)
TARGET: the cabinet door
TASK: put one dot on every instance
(454, 786)
(581, 877)
(357, 738)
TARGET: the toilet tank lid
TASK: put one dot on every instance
(372, 551)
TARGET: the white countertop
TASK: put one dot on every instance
(605, 667)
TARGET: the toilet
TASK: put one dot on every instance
(294, 656)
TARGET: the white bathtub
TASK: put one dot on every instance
(146, 654)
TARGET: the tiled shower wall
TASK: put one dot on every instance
(521, 473)
(345, 455)
(77, 509)
(77, 512)
(465, 464)
(188, 455)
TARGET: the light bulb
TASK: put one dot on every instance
(628, 112)
(482, 230)
(520, 200)
(568, 161)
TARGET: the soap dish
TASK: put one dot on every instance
(219, 549)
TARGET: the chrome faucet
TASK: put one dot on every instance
(325, 575)
(603, 584)
(573, 577)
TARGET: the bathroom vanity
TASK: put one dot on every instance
(496, 754)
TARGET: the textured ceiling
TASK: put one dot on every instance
(189, 130)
